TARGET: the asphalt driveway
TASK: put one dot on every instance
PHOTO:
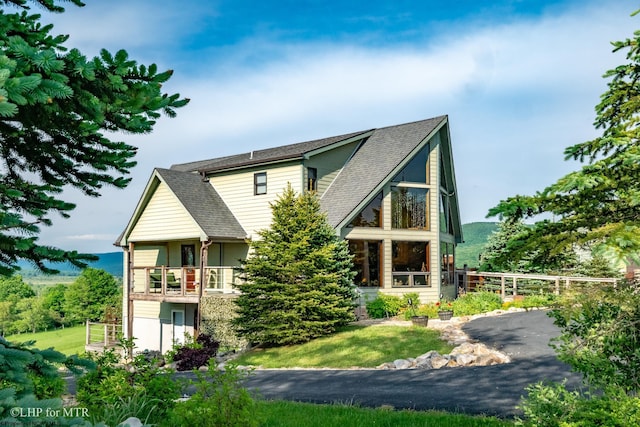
(492, 390)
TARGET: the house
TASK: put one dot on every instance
(390, 192)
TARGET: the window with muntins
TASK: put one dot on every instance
(410, 264)
(260, 183)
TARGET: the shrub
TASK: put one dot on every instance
(547, 405)
(476, 303)
(196, 353)
(101, 390)
(384, 306)
(600, 336)
(220, 400)
(536, 301)
(552, 405)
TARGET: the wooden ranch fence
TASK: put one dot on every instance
(514, 284)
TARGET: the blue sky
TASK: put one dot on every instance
(518, 79)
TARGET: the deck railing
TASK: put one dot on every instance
(183, 281)
(102, 334)
(514, 284)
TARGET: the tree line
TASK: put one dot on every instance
(95, 295)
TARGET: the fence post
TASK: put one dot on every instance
(515, 286)
(88, 333)
(503, 290)
(106, 335)
(557, 286)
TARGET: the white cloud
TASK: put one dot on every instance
(92, 237)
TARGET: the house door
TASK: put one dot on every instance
(177, 322)
(189, 261)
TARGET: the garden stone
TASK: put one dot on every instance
(465, 359)
(131, 422)
(424, 363)
(439, 361)
(402, 364)
(452, 363)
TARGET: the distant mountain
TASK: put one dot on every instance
(111, 262)
(475, 238)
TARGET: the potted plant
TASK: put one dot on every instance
(413, 313)
(445, 310)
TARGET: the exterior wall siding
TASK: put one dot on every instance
(164, 218)
(329, 164)
(253, 212)
(147, 333)
(147, 309)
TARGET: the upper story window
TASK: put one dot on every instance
(312, 179)
(371, 215)
(410, 208)
(260, 183)
(446, 223)
(417, 170)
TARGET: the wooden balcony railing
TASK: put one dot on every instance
(165, 281)
(102, 335)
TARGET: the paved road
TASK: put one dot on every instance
(492, 390)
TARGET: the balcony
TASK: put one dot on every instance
(181, 284)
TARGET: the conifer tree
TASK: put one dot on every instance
(299, 276)
(59, 113)
(497, 253)
(599, 204)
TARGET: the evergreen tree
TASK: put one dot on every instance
(299, 276)
(599, 204)
(497, 254)
(493, 257)
(58, 111)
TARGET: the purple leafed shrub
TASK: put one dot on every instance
(198, 354)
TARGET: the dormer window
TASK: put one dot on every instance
(259, 183)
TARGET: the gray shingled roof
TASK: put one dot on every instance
(372, 164)
(204, 204)
(285, 152)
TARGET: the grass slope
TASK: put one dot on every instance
(365, 347)
(68, 340)
(475, 237)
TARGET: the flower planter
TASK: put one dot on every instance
(420, 320)
(445, 314)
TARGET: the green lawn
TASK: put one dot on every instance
(291, 414)
(68, 340)
(361, 346)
